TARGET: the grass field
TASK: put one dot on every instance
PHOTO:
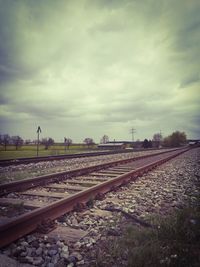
(31, 150)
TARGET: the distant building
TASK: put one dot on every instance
(112, 146)
(194, 142)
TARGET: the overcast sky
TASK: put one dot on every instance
(87, 68)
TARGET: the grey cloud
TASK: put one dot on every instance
(111, 4)
(185, 23)
(4, 100)
(37, 108)
(195, 78)
(108, 26)
(99, 63)
(22, 29)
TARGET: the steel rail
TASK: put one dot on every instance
(18, 161)
(59, 176)
(9, 162)
(29, 222)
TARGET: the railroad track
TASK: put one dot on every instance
(18, 161)
(43, 199)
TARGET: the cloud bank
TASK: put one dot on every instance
(87, 68)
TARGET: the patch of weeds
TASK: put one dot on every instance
(176, 242)
(106, 255)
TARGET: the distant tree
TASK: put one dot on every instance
(145, 143)
(88, 141)
(17, 141)
(35, 141)
(27, 142)
(157, 138)
(150, 144)
(137, 144)
(104, 139)
(176, 139)
(166, 142)
(4, 140)
(47, 142)
(67, 142)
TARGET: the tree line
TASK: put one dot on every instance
(17, 141)
(6, 140)
(174, 140)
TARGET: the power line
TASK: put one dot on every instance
(132, 131)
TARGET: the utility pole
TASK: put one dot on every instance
(132, 131)
(38, 138)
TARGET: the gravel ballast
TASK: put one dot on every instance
(159, 192)
(24, 171)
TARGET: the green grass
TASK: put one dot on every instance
(31, 151)
(174, 243)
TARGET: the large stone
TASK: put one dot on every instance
(82, 262)
(61, 263)
(77, 245)
(38, 261)
(64, 255)
(72, 259)
(17, 251)
(24, 244)
(24, 254)
(65, 249)
(76, 255)
(74, 221)
(38, 251)
(29, 259)
(35, 244)
(55, 259)
(52, 252)
(8, 262)
(67, 234)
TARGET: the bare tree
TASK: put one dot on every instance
(47, 142)
(104, 139)
(145, 143)
(157, 138)
(17, 141)
(67, 142)
(89, 141)
(5, 140)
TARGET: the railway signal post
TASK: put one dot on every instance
(38, 138)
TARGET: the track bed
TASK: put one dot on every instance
(42, 201)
